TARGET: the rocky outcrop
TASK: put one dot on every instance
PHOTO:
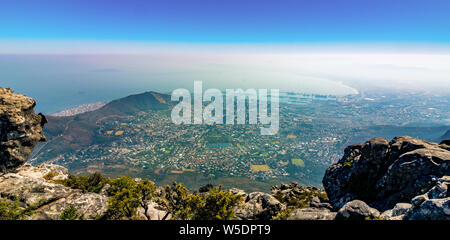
(305, 202)
(383, 173)
(31, 186)
(433, 205)
(300, 196)
(20, 129)
(259, 205)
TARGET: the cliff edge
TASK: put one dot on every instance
(20, 129)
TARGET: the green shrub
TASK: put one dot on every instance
(284, 215)
(93, 183)
(10, 209)
(127, 196)
(71, 213)
(177, 201)
(216, 205)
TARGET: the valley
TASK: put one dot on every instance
(135, 136)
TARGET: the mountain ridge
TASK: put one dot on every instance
(81, 130)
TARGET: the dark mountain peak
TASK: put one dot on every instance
(137, 102)
(74, 132)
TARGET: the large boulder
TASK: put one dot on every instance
(383, 173)
(356, 210)
(20, 129)
(397, 213)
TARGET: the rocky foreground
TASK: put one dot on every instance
(404, 179)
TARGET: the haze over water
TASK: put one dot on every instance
(66, 53)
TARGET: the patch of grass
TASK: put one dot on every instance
(50, 175)
(10, 209)
(298, 162)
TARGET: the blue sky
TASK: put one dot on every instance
(231, 21)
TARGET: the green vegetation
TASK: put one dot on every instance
(10, 209)
(298, 162)
(71, 213)
(374, 218)
(348, 162)
(93, 183)
(50, 175)
(301, 198)
(284, 215)
(177, 201)
(127, 196)
(216, 204)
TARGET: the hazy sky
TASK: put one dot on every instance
(65, 52)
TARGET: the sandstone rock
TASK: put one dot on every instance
(398, 212)
(154, 212)
(355, 174)
(316, 202)
(28, 185)
(239, 192)
(258, 205)
(312, 214)
(356, 210)
(302, 196)
(400, 209)
(90, 205)
(383, 174)
(441, 188)
(412, 174)
(432, 209)
(20, 129)
(432, 205)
